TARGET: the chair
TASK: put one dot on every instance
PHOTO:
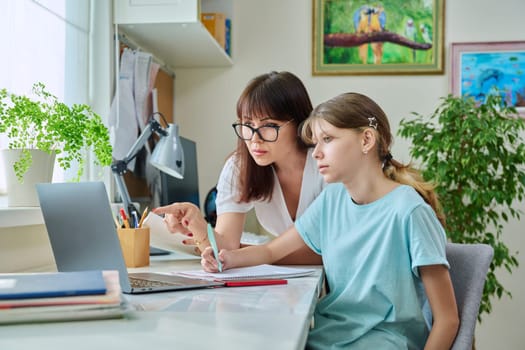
(469, 264)
(210, 210)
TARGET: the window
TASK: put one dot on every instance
(45, 41)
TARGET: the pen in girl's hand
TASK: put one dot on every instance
(213, 243)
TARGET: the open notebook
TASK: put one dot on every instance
(247, 273)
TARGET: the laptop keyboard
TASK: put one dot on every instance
(142, 283)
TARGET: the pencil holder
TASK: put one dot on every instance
(135, 246)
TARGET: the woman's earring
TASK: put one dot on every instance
(365, 151)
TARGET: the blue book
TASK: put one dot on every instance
(45, 285)
(227, 41)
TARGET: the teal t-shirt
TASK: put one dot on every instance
(371, 254)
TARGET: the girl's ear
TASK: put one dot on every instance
(368, 140)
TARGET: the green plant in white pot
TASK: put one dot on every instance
(475, 156)
(48, 125)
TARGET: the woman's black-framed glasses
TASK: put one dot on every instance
(268, 133)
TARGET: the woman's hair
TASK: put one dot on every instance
(277, 95)
(356, 111)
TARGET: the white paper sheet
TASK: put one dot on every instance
(161, 237)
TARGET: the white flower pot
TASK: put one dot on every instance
(24, 194)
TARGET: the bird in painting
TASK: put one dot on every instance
(370, 19)
(426, 33)
(377, 24)
(410, 33)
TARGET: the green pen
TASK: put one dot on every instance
(213, 243)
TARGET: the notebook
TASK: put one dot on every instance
(83, 236)
(45, 285)
(259, 272)
(57, 307)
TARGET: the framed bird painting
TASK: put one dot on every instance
(480, 69)
(377, 38)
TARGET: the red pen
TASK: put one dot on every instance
(253, 283)
(124, 217)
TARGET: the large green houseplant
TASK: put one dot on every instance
(46, 124)
(475, 156)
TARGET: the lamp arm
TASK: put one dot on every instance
(120, 167)
(139, 143)
(123, 190)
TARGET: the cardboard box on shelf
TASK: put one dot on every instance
(215, 22)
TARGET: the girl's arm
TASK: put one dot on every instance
(268, 253)
(303, 256)
(186, 218)
(440, 293)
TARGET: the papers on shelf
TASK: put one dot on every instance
(161, 237)
(247, 273)
(111, 304)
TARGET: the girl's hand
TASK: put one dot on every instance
(209, 263)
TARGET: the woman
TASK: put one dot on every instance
(271, 170)
(377, 226)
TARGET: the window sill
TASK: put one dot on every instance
(18, 216)
(27, 216)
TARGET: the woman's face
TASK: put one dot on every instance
(338, 152)
(268, 140)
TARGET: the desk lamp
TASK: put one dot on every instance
(167, 156)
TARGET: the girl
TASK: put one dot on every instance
(272, 169)
(376, 227)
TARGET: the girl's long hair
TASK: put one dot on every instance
(357, 111)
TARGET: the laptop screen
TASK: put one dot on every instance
(81, 228)
(83, 236)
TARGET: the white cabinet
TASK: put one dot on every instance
(172, 30)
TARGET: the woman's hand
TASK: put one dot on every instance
(209, 263)
(185, 218)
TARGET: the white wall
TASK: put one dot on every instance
(277, 35)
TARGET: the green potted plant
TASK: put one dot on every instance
(50, 126)
(474, 155)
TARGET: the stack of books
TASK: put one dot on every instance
(61, 296)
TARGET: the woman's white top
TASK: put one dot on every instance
(273, 215)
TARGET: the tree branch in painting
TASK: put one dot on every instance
(352, 40)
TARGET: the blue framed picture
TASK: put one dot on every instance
(482, 69)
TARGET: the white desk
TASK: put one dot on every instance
(265, 317)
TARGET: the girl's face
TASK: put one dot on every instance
(268, 140)
(338, 151)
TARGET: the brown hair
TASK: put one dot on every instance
(281, 96)
(356, 111)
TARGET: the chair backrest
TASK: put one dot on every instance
(469, 264)
(210, 209)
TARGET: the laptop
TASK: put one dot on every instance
(83, 236)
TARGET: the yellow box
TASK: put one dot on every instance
(135, 246)
(215, 22)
